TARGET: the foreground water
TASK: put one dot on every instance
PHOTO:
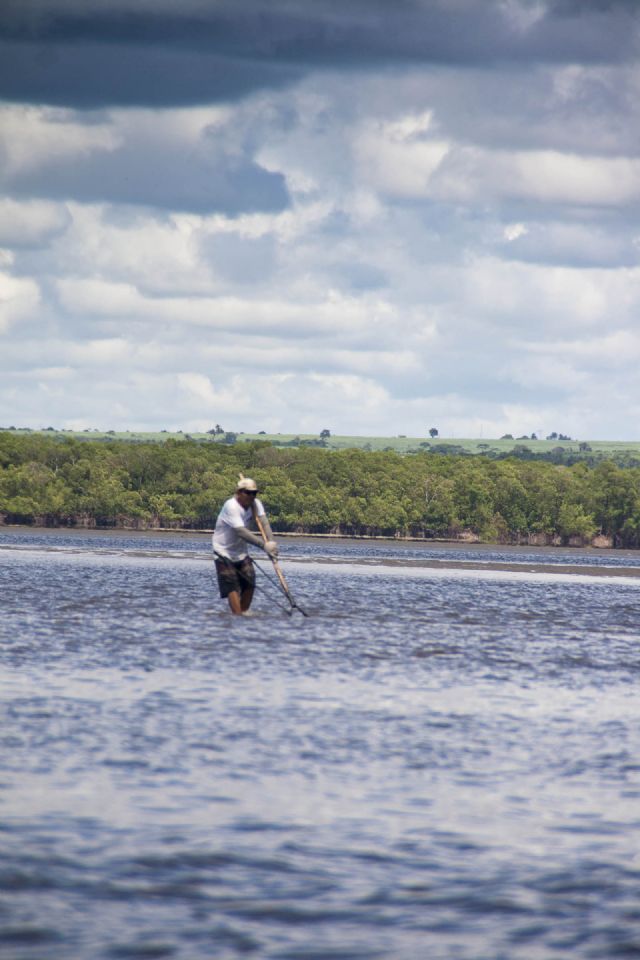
(441, 761)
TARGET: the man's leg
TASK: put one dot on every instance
(240, 602)
(247, 578)
(236, 583)
(235, 602)
(229, 584)
(245, 598)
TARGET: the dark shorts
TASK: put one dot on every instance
(232, 576)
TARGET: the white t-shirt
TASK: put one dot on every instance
(225, 540)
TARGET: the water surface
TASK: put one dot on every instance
(440, 761)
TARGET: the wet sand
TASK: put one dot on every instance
(433, 558)
(591, 570)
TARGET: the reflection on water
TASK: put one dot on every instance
(436, 763)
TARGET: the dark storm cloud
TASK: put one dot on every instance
(96, 74)
(190, 52)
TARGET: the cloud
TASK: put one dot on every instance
(238, 259)
(123, 73)
(31, 137)
(614, 350)
(199, 387)
(571, 244)
(18, 299)
(31, 223)
(201, 160)
(513, 295)
(169, 53)
(398, 158)
(553, 177)
(371, 217)
(337, 316)
(465, 174)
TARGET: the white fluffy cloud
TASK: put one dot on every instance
(373, 250)
(32, 223)
(19, 298)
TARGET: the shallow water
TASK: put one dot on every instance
(439, 762)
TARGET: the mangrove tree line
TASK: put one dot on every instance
(63, 481)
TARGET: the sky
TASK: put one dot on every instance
(365, 216)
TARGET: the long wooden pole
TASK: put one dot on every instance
(276, 566)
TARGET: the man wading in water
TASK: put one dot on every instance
(236, 573)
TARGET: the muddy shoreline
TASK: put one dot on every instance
(417, 554)
(464, 538)
(494, 566)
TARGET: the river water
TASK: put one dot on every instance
(441, 761)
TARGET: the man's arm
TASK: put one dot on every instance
(269, 547)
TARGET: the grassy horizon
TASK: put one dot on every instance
(399, 443)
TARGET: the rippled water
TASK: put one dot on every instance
(439, 762)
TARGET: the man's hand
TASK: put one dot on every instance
(271, 547)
